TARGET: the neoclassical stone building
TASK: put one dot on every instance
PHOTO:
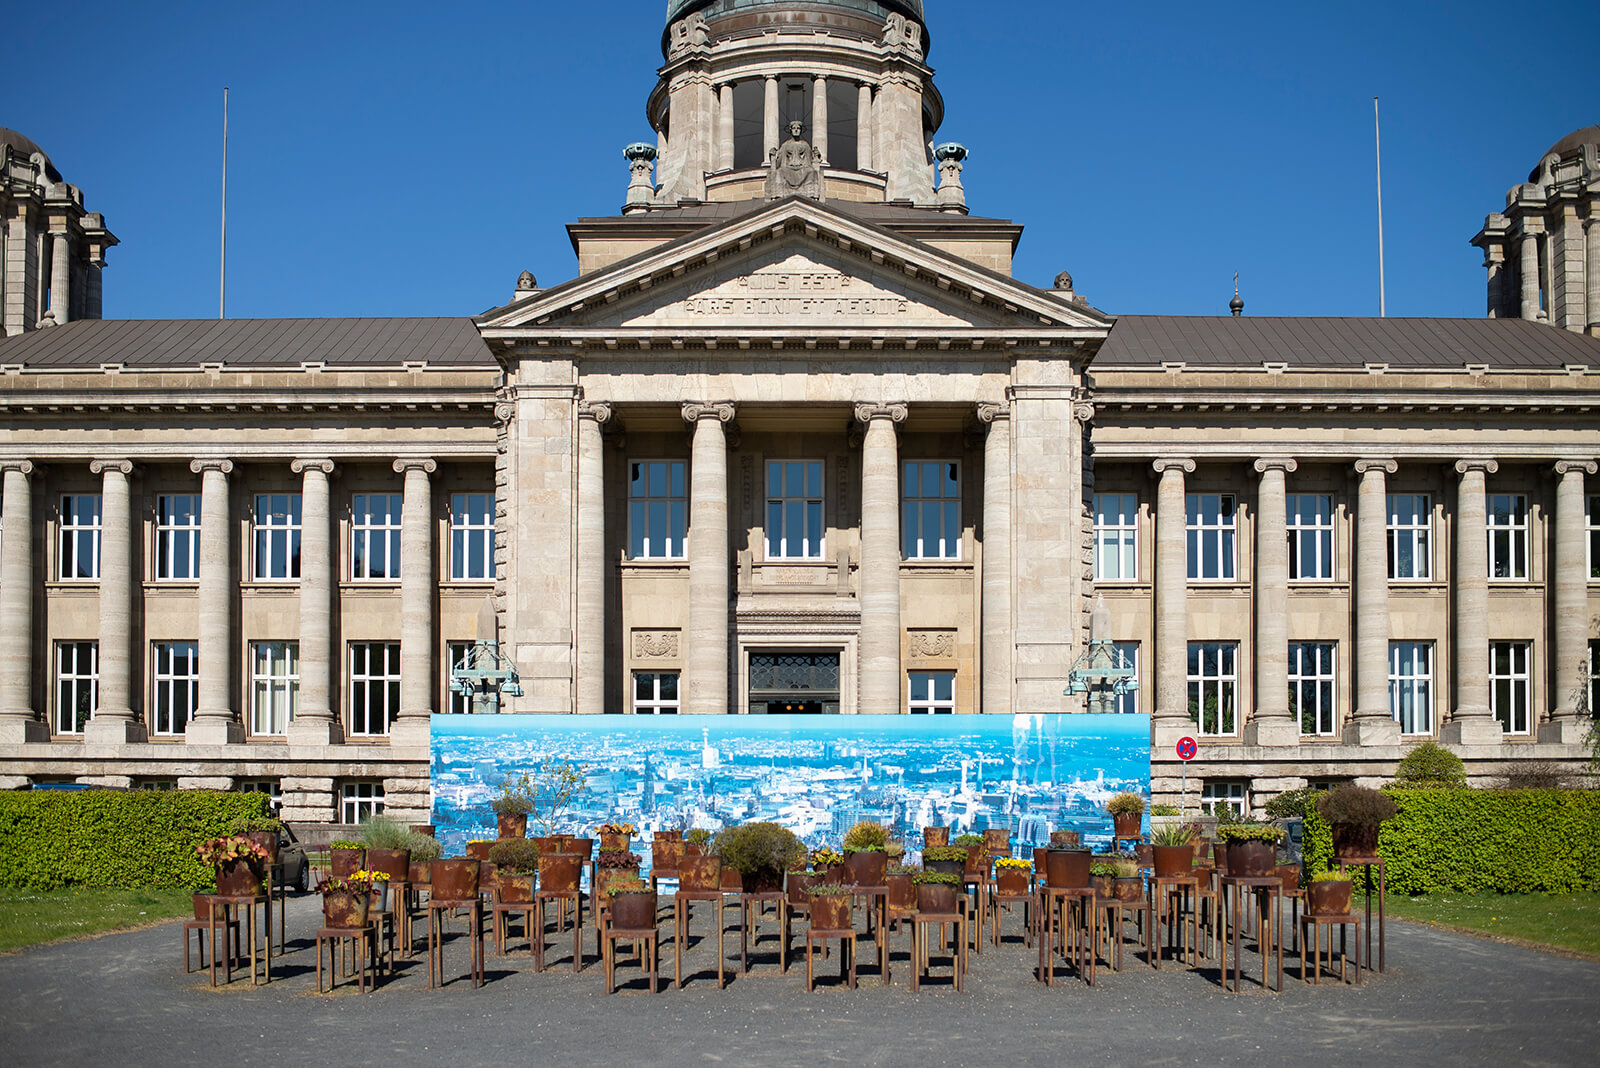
(795, 440)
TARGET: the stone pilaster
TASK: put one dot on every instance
(1571, 628)
(881, 685)
(705, 674)
(995, 697)
(1591, 265)
(864, 127)
(591, 599)
(113, 722)
(1373, 723)
(19, 722)
(1272, 724)
(417, 677)
(215, 722)
(1171, 720)
(1471, 723)
(314, 722)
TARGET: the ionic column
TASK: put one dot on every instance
(1591, 265)
(1528, 246)
(1571, 606)
(724, 155)
(214, 719)
(1494, 261)
(113, 721)
(416, 604)
(314, 722)
(819, 116)
(769, 119)
(1171, 720)
(591, 593)
(1472, 724)
(61, 278)
(864, 128)
(1374, 723)
(705, 673)
(1272, 724)
(18, 721)
(996, 589)
(880, 681)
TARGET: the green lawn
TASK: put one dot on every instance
(1566, 921)
(28, 917)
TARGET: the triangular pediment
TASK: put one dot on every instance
(796, 265)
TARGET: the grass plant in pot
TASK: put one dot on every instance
(240, 864)
(1127, 812)
(516, 866)
(830, 906)
(761, 853)
(951, 860)
(866, 852)
(936, 891)
(1172, 848)
(1355, 814)
(633, 904)
(512, 805)
(424, 850)
(347, 898)
(1012, 875)
(1126, 882)
(1252, 848)
(1329, 893)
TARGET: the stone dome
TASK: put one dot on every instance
(24, 147)
(1568, 147)
(676, 9)
(850, 18)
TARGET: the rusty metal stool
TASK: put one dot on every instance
(202, 923)
(363, 950)
(919, 945)
(1316, 924)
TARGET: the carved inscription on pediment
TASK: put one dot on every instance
(810, 294)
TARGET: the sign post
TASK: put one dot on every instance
(1186, 751)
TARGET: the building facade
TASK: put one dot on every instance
(793, 440)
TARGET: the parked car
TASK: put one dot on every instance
(292, 870)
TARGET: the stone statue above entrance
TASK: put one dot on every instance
(794, 168)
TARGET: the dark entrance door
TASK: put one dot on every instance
(794, 683)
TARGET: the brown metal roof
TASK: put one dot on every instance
(1343, 344)
(187, 343)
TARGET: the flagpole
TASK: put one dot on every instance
(1377, 146)
(222, 271)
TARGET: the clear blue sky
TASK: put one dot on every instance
(409, 159)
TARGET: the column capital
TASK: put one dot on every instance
(1181, 464)
(1483, 464)
(407, 464)
(895, 412)
(599, 411)
(25, 467)
(1384, 465)
(694, 411)
(1083, 412)
(211, 463)
(317, 463)
(989, 411)
(1568, 467)
(99, 467)
(1275, 463)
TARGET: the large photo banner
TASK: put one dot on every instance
(816, 775)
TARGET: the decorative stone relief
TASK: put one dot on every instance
(933, 644)
(900, 34)
(687, 34)
(794, 168)
(655, 644)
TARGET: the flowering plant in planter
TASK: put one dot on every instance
(357, 882)
(218, 851)
(618, 858)
(826, 857)
(902, 869)
(1332, 875)
(617, 828)
(1014, 862)
(944, 853)
(346, 843)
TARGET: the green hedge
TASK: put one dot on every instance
(1466, 841)
(50, 839)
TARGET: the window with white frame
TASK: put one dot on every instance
(1508, 535)
(1411, 686)
(932, 692)
(273, 788)
(1312, 696)
(1410, 526)
(457, 703)
(930, 508)
(1214, 795)
(77, 684)
(655, 693)
(375, 535)
(1213, 527)
(1593, 513)
(277, 527)
(1310, 517)
(794, 509)
(176, 691)
(360, 801)
(1116, 536)
(1126, 655)
(1511, 686)
(1213, 686)
(374, 686)
(178, 536)
(275, 686)
(80, 536)
(472, 536)
(155, 782)
(658, 509)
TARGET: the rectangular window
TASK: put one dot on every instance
(1213, 686)
(1116, 536)
(930, 503)
(273, 788)
(1213, 531)
(457, 703)
(1215, 795)
(1310, 535)
(1126, 655)
(277, 536)
(360, 801)
(1508, 535)
(1411, 686)
(80, 536)
(658, 509)
(794, 510)
(374, 686)
(1510, 686)
(932, 692)
(154, 782)
(1593, 707)
(275, 684)
(1593, 512)
(177, 686)
(472, 536)
(655, 693)
(178, 536)
(77, 685)
(374, 535)
(1311, 690)
(1409, 526)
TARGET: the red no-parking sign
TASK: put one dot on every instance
(1187, 748)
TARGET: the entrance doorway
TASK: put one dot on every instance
(794, 683)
